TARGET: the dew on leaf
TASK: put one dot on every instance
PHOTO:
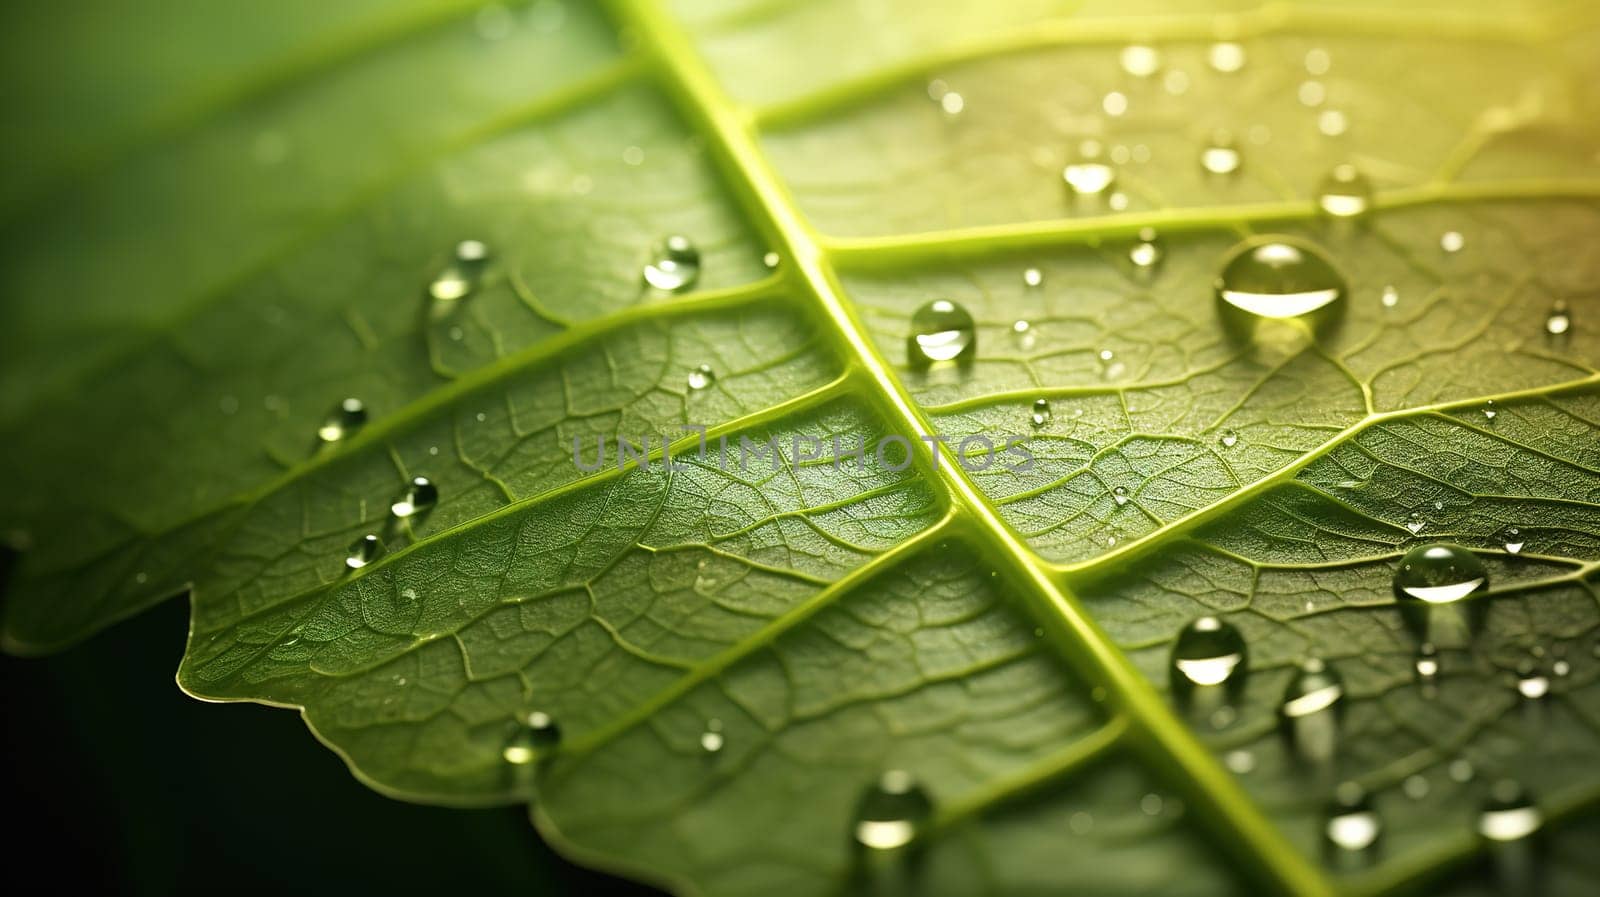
(1353, 826)
(674, 265)
(1120, 495)
(1427, 665)
(1041, 412)
(418, 496)
(1531, 682)
(1489, 412)
(1390, 297)
(1022, 333)
(702, 377)
(536, 733)
(1345, 192)
(711, 740)
(363, 551)
(1439, 573)
(1310, 711)
(1225, 56)
(1276, 278)
(892, 811)
(1416, 523)
(1146, 253)
(1559, 321)
(1221, 154)
(343, 420)
(1088, 175)
(1208, 652)
(941, 330)
(1509, 813)
(459, 278)
(1228, 438)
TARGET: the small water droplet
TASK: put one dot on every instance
(460, 277)
(1225, 56)
(1353, 826)
(1391, 297)
(1208, 652)
(892, 811)
(1240, 761)
(701, 377)
(1345, 192)
(1032, 277)
(1439, 573)
(1461, 771)
(1228, 438)
(1022, 332)
(1427, 665)
(1559, 321)
(1041, 412)
(675, 265)
(1310, 711)
(363, 551)
(711, 740)
(417, 497)
(536, 733)
(1561, 669)
(1509, 813)
(1088, 175)
(1531, 682)
(1146, 253)
(1140, 61)
(1416, 523)
(1452, 241)
(343, 421)
(1221, 155)
(1489, 413)
(771, 260)
(940, 331)
(1120, 495)
(1275, 278)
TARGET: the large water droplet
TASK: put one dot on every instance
(1439, 573)
(417, 497)
(940, 331)
(892, 811)
(702, 377)
(536, 733)
(343, 421)
(1353, 827)
(1345, 192)
(1221, 154)
(363, 551)
(460, 277)
(1209, 652)
(1390, 297)
(1274, 277)
(675, 265)
(1310, 711)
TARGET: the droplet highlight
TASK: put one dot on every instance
(702, 377)
(536, 733)
(1221, 155)
(892, 811)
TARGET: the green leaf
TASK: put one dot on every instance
(217, 234)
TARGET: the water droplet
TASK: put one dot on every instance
(675, 266)
(1032, 277)
(1146, 253)
(940, 331)
(1208, 652)
(1225, 56)
(1488, 410)
(417, 497)
(1221, 154)
(1559, 321)
(771, 260)
(1088, 175)
(363, 551)
(460, 277)
(1120, 495)
(1140, 61)
(537, 733)
(1240, 761)
(1561, 668)
(343, 421)
(1353, 826)
(1452, 241)
(1439, 573)
(701, 377)
(1228, 438)
(711, 740)
(1416, 523)
(1509, 813)
(1427, 665)
(1041, 412)
(1022, 332)
(1310, 711)
(892, 811)
(1345, 192)
(1531, 682)
(1278, 278)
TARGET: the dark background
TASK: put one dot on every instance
(117, 782)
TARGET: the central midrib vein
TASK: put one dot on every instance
(1162, 738)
